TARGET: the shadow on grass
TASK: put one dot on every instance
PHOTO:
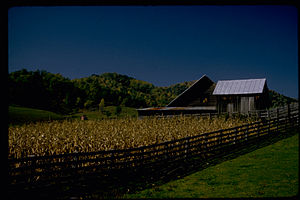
(118, 182)
(198, 164)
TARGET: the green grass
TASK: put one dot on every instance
(271, 171)
(19, 115)
(108, 112)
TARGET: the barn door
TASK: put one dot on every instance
(244, 104)
(230, 107)
(251, 103)
(247, 104)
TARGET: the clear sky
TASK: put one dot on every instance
(163, 45)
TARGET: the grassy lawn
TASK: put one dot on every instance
(271, 171)
(20, 115)
(108, 112)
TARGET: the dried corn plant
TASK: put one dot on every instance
(58, 137)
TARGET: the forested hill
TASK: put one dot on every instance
(117, 89)
(44, 90)
(53, 92)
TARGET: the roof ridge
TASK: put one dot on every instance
(244, 79)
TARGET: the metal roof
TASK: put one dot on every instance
(247, 86)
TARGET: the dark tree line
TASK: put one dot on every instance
(278, 100)
(44, 90)
(41, 89)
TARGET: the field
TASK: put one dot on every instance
(58, 137)
(108, 112)
(20, 115)
(272, 171)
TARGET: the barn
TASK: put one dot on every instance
(241, 96)
(196, 99)
(205, 96)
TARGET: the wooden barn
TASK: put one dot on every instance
(241, 96)
(196, 99)
(205, 96)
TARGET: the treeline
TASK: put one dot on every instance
(53, 92)
(278, 100)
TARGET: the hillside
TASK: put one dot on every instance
(53, 92)
(117, 89)
(279, 99)
(20, 115)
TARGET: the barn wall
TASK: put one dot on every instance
(242, 103)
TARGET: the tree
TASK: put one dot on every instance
(101, 105)
(118, 110)
(88, 104)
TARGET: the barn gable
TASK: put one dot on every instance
(198, 94)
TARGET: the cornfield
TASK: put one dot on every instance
(58, 137)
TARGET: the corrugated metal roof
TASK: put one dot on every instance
(247, 86)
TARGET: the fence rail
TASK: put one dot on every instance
(33, 173)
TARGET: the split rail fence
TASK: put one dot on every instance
(80, 169)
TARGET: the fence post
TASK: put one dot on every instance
(205, 146)
(186, 147)
(258, 127)
(112, 160)
(277, 118)
(269, 121)
(75, 158)
(166, 152)
(220, 138)
(246, 132)
(289, 111)
(32, 168)
(142, 157)
(286, 123)
(234, 135)
(289, 114)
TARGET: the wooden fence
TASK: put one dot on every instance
(47, 173)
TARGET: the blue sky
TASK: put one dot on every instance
(163, 45)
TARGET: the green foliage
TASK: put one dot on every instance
(108, 112)
(88, 104)
(41, 89)
(101, 105)
(44, 90)
(118, 110)
(278, 100)
(19, 115)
